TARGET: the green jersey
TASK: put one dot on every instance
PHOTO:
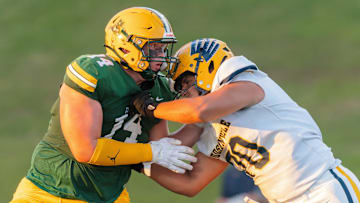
(53, 167)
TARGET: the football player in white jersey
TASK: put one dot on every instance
(251, 123)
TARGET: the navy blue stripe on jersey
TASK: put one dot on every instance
(343, 185)
(232, 75)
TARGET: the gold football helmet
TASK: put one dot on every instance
(201, 57)
(130, 30)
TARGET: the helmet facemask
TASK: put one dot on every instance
(155, 52)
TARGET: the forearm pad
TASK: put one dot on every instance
(109, 152)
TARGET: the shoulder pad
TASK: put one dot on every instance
(83, 72)
(231, 68)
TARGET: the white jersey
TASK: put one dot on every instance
(276, 141)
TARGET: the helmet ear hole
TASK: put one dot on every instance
(211, 66)
(226, 49)
(125, 51)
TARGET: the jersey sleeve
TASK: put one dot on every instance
(82, 75)
(208, 139)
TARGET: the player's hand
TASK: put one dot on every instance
(168, 153)
(144, 104)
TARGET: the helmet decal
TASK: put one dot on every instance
(207, 50)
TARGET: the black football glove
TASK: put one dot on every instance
(144, 104)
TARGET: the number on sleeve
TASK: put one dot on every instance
(103, 62)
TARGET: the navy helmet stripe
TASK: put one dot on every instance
(343, 185)
(208, 53)
(193, 47)
(206, 44)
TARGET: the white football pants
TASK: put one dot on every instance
(338, 185)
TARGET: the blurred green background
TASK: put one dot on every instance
(311, 48)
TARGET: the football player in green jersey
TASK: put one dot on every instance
(94, 137)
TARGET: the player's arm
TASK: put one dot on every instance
(81, 122)
(189, 134)
(159, 131)
(192, 182)
(226, 100)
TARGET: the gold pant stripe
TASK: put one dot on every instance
(353, 185)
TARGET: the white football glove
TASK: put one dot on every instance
(169, 153)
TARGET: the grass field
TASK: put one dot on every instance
(311, 48)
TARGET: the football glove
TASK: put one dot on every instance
(168, 153)
(144, 104)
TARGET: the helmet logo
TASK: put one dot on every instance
(116, 27)
(120, 23)
(205, 48)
